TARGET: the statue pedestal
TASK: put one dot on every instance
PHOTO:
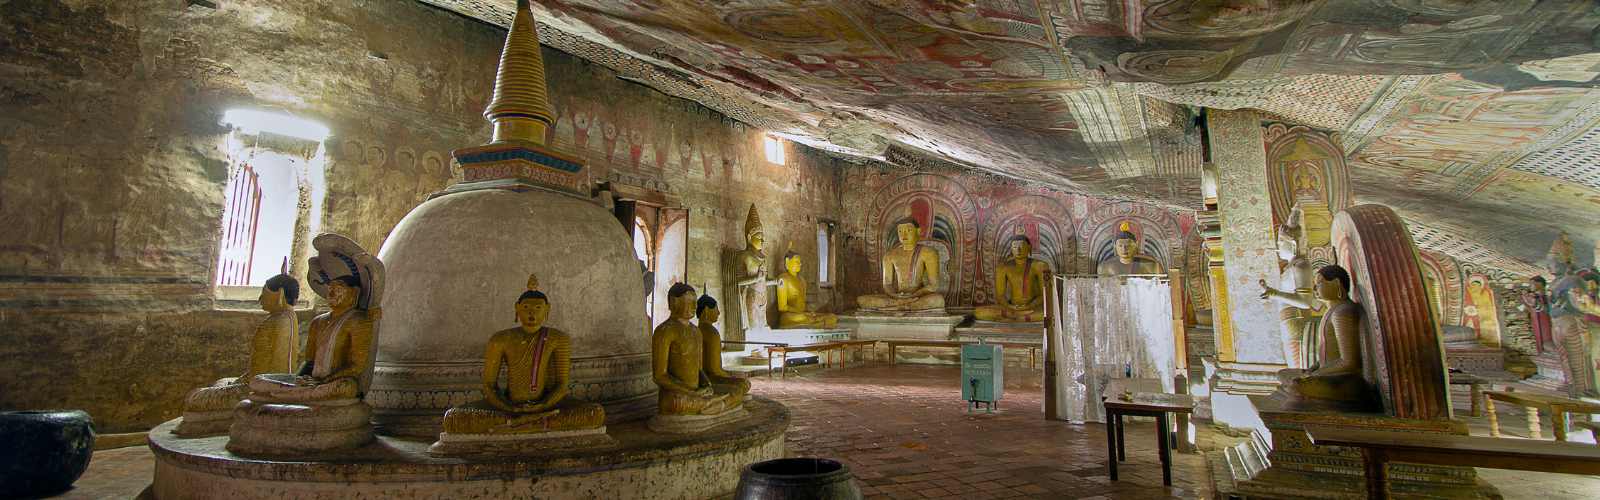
(1284, 464)
(292, 429)
(1475, 358)
(993, 331)
(204, 423)
(883, 327)
(516, 444)
(642, 464)
(1551, 373)
(690, 424)
(794, 337)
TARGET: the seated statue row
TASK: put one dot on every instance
(686, 364)
(209, 410)
(1019, 286)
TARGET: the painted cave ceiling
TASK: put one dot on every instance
(1477, 120)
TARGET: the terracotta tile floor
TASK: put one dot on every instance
(904, 431)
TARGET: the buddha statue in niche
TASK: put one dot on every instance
(1337, 382)
(678, 364)
(911, 277)
(750, 271)
(537, 361)
(706, 314)
(792, 288)
(1128, 260)
(321, 407)
(209, 410)
(1019, 285)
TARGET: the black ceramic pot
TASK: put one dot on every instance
(43, 452)
(797, 479)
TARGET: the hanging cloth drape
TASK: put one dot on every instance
(1106, 327)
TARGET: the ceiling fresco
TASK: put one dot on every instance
(1474, 119)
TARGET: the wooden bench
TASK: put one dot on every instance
(1033, 349)
(1378, 448)
(1558, 407)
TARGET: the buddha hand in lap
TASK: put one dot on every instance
(1018, 286)
(338, 354)
(1337, 382)
(271, 351)
(678, 364)
(537, 362)
(910, 277)
(792, 311)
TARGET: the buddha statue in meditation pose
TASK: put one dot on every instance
(209, 410)
(1129, 260)
(706, 314)
(1337, 381)
(1019, 285)
(792, 311)
(537, 361)
(910, 277)
(678, 361)
(320, 407)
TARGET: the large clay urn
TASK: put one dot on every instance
(797, 479)
(43, 452)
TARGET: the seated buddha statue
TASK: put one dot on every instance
(910, 277)
(706, 314)
(209, 410)
(678, 367)
(1129, 260)
(792, 311)
(537, 361)
(1337, 381)
(320, 407)
(1019, 285)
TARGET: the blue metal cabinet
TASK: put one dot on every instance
(982, 375)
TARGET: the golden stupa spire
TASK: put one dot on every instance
(520, 109)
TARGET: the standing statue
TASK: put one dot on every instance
(1567, 301)
(1337, 382)
(1485, 314)
(706, 314)
(792, 311)
(1298, 315)
(321, 406)
(1018, 286)
(1129, 260)
(533, 403)
(688, 397)
(209, 410)
(751, 272)
(910, 275)
(1536, 302)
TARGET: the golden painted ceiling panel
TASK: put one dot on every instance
(1464, 114)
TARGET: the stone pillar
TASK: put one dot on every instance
(1249, 341)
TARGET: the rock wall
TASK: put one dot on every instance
(113, 163)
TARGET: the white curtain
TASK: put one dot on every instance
(1105, 328)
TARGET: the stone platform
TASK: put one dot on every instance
(874, 327)
(642, 464)
(991, 331)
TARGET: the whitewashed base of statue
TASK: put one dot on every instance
(514, 443)
(208, 411)
(299, 429)
(688, 424)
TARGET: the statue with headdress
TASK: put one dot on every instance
(1572, 304)
(750, 273)
(209, 410)
(1128, 258)
(792, 289)
(532, 407)
(1019, 285)
(320, 407)
(1305, 227)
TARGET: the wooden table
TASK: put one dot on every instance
(1378, 448)
(1557, 406)
(1143, 404)
(823, 348)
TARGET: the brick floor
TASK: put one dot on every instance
(904, 432)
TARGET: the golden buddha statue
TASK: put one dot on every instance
(537, 361)
(1129, 260)
(1018, 286)
(1337, 382)
(209, 410)
(792, 311)
(678, 364)
(706, 314)
(911, 277)
(320, 407)
(750, 272)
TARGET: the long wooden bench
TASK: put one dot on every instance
(1033, 349)
(1378, 448)
(823, 348)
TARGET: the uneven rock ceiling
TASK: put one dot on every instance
(1476, 120)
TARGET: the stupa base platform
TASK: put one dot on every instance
(204, 423)
(875, 327)
(688, 424)
(519, 444)
(642, 464)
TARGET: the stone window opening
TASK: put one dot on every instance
(272, 203)
(774, 149)
(825, 257)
